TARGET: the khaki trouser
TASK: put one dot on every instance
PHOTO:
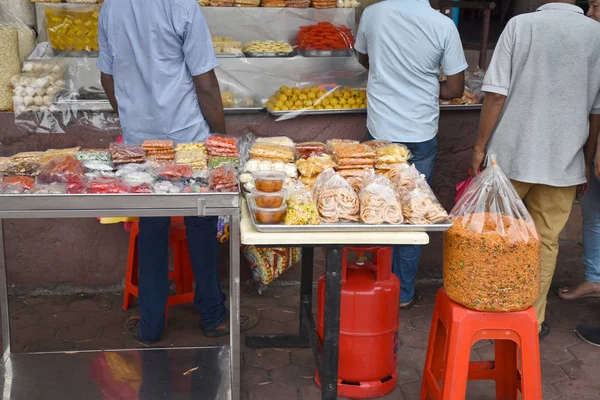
(550, 208)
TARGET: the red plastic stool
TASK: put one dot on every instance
(455, 329)
(182, 267)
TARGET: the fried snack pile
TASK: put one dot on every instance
(380, 202)
(489, 270)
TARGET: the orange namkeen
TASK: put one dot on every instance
(324, 36)
(489, 266)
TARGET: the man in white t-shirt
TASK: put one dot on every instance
(403, 44)
(541, 117)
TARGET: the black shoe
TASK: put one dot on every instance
(413, 302)
(589, 334)
(545, 331)
(246, 323)
(132, 325)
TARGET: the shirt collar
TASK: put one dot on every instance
(561, 7)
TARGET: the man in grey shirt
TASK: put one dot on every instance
(541, 117)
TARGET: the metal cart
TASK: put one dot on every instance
(213, 372)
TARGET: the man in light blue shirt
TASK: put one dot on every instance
(403, 43)
(157, 67)
(158, 60)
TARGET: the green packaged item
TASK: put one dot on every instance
(215, 162)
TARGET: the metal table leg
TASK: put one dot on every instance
(331, 334)
(306, 319)
(4, 296)
(234, 303)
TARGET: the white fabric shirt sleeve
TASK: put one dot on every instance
(360, 44)
(453, 60)
(198, 49)
(105, 55)
(498, 76)
(596, 105)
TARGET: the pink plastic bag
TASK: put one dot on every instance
(462, 187)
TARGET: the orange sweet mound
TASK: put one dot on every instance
(324, 36)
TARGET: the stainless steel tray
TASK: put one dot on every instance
(319, 112)
(230, 55)
(86, 105)
(325, 53)
(242, 110)
(461, 107)
(348, 227)
(269, 55)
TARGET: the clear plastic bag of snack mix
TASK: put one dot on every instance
(336, 200)
(492, 253)
(379, 201)
(302, 208)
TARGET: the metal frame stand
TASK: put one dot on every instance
(81, 206)
(326, 355)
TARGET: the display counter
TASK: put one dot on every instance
(103, 248)
(325, 352)
(18, 377)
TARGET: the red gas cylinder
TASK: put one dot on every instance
(368, 347)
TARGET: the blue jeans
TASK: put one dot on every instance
(590, 207)
(153, 282)
(406, 258)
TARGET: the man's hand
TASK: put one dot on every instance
(490, 114)
(584, 187)
(598, 165)
(477, 162)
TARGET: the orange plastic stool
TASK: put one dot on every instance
(182, 267)
(455, 329)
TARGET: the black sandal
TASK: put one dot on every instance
(246, 323)
(413, 302)
(545, 331)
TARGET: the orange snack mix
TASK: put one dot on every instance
(486, 270)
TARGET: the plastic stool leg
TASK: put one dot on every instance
(531, 375)
(178, 267)
(456, 372)
(434, 361)
(188, 274)
(131, 273)
(506, 369)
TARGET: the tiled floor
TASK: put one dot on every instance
(569, 367)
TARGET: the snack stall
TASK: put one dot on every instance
(308, 195)
(154, 179)
(291, 62)
(346, 194)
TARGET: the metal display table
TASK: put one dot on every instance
(326, 356)
(202, 372)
